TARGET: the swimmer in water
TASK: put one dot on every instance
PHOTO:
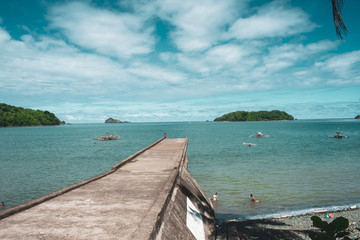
(215, 197)
(253, 198)
(249, 144)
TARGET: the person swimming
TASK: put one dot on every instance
(253, 198)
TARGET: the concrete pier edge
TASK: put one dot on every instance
(172, 219)
(24, 206)
(171, 183)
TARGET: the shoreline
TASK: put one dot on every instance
(286, 227)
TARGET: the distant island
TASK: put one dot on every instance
(11, 116)
(238, 116)
(357, 117)
(113, 120)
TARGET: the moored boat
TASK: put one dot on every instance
(106, 138)
(338, 135)
(259, 134)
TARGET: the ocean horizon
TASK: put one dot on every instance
(295, 168)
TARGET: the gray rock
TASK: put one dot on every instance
(113, 120)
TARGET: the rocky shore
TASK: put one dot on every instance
(296, 227)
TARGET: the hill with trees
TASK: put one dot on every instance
(11, 116)
(274, 115)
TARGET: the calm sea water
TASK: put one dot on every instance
(293, 169)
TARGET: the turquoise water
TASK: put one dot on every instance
(294, 168)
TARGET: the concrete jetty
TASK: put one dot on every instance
(150, 195)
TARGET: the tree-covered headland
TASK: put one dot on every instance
(274, 115)
(11, 116)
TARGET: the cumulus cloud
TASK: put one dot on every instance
(4, 36)
(287, 55)
(344, 64)
(107, 32)
(198, 24)
(156, 75)
(226, 57)
(32, 66)
(47, 66)
(275, 19)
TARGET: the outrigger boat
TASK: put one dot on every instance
(338, 135)
(107, 138)
(259, 134)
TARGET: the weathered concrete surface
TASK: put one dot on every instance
(174, 224)
(32, 203)
(133, 202)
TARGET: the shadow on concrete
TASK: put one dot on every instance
(260, 229)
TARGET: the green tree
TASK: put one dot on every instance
(255, 116)
(17, 116)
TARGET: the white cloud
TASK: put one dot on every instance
(198, 24)
(107, 32)
(286, 55)
(226, 54)
(4, 35)
(73, 118)
(227, 57)
(345, 66)
(47, 66)
(156, 75)
(275, 19)
(50, 67)
(253, 66)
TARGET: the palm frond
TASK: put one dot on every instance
(339, 23)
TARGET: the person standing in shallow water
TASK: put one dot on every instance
(2, 204)
(215, 197)
(164, 135)
(253, 198)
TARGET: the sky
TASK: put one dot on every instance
(169, 60)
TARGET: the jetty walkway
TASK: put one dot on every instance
(149, 195)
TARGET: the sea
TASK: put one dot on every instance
(296, 168)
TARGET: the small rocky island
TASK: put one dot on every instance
(113, 120)
(244, 116)
(11, 116)
(357, 117)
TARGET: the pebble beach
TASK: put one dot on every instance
(294, 227)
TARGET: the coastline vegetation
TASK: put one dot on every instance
(274, 115)
(11, 116)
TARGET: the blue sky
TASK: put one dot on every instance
(166, 60)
